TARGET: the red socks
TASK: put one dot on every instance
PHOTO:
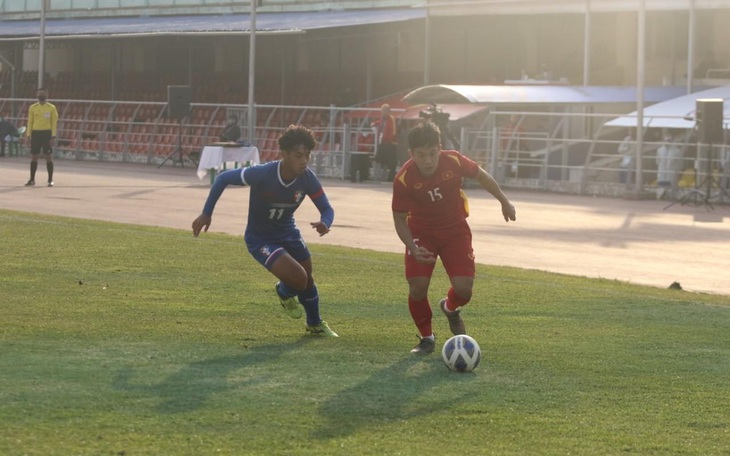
(454, 301)
(421, 310)
(421, 314)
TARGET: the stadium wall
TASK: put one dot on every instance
(374, 60)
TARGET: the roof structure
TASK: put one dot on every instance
(531, 7)
(538, 94)
(110, 27)
(675, 113)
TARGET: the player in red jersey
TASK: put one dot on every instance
(429, 213)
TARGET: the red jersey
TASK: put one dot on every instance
(386, 130)
(438, 202)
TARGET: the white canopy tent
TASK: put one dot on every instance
(677, 112)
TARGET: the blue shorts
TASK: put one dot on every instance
(267, 252)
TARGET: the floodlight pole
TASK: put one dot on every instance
(251, 72)
(640, 76)
(587, 45)
(691, 47)
(42, 45)
(427, 47)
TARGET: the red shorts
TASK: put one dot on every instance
(454, 248)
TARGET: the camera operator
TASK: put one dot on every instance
(441, 119)
(387, 154)
(232, 132)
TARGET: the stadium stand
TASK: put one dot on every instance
(134, 127)
(140, 131)
(309, 89)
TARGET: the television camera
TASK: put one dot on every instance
(436, 115)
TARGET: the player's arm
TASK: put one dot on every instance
(54, 122)
(489, 184)
(224, 179)
(326, 213)
(400, 220)
(29, 130)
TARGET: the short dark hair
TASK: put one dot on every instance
(42, 88)
(424, 134)
(296, 135)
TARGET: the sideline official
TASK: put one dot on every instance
(42, 122)
(387, 154)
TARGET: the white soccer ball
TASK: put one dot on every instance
(461, 353)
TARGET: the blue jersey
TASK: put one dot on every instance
(272, 202)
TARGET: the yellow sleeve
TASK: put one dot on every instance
(30, 120)
(54, 121)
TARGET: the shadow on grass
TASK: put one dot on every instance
(187, 389)
(407, 389)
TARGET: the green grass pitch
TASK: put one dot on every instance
(128, 340)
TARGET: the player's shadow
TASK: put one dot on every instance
(187, 389)
(401, 391)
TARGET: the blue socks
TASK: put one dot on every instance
(284, 291)
(310, 300)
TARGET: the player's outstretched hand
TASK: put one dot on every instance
(422, 255)
(320, 227)
(508, 210)
(203, 221)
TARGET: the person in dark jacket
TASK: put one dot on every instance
(232, 132)
(6, 129)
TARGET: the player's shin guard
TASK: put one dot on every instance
(33, 168)
(49, 168)
(454, 301)
(310, 301)
(421, 315)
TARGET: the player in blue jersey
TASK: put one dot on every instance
(272, 237)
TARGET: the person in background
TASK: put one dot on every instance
(627, 163)
(42, 123)
(232, 132)
(429, 213)
(6, 129)
(387, 154)
(669, 165)
(725, 161)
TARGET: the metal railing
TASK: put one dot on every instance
(577, 153)
(560, 152)
(140, 132)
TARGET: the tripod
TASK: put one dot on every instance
(181, 154)
(698, 195)
(448, 135)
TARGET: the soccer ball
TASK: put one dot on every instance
(461, 353)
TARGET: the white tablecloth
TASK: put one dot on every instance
(213, 157)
